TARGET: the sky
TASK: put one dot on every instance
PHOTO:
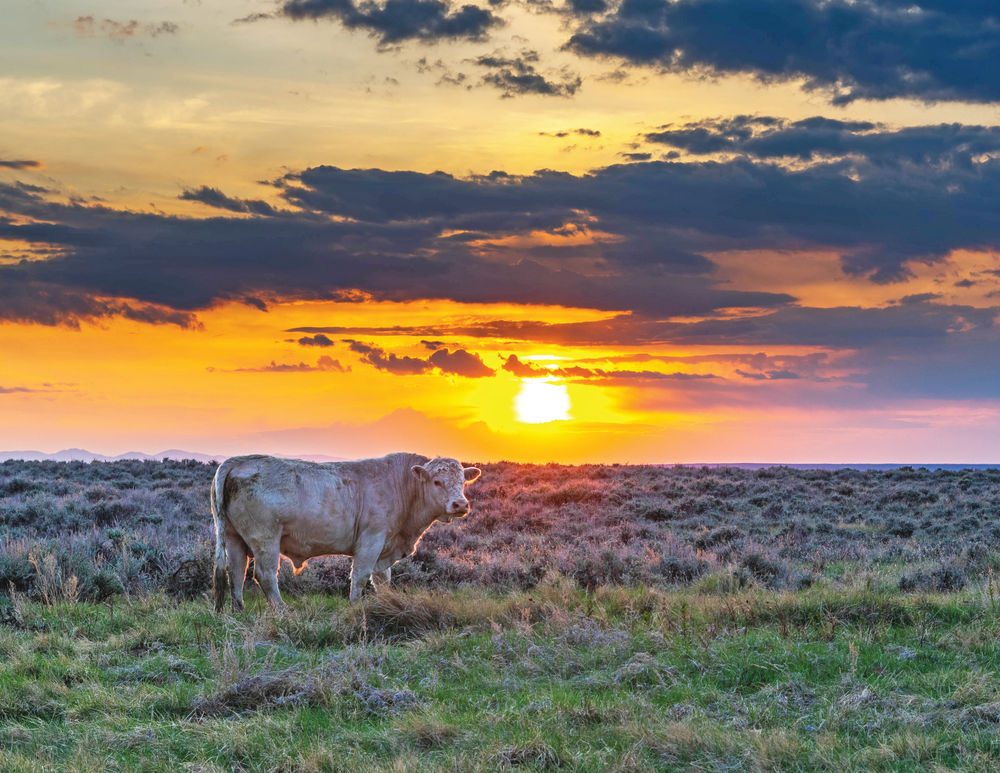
(647, 231)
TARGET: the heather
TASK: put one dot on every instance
(126, 528)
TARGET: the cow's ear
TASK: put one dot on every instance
(472, 473)
(420, 472)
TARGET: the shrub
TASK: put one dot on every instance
(725, 533)
(16, 572)
(900, 527)
(17, 486)
(945, 578)
(674, 569)
(764, 568)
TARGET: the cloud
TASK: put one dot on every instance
(569, 132)
(879, 49)
(606, 377)
(585, 7)
(91, 27)
(521, 369)
(317, 340)
(250, 18)
(675, 212)
(19, 164)
(818, 137)
(52, 304)
(398, 20)
(337, 240)
(518, 75)
(918, 348)
(771, 375)
(390, 363)
(213, 197)
(915, 321)
(460, 363)
(636, 238)
(322, 364)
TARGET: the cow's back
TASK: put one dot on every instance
(313, 509)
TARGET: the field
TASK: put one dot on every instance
(582, 618)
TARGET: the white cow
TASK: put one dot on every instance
(374, 510)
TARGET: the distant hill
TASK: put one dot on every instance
(83, 455)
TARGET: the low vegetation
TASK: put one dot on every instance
(583, 618)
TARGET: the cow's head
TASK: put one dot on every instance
(443, 482)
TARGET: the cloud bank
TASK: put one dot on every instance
(877, 49)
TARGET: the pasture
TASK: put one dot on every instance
(582, 618)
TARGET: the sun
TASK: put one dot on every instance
(541, 400)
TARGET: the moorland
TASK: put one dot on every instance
(604, 617)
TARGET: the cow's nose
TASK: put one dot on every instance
(458, 508)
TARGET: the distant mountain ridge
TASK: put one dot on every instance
(83, 455)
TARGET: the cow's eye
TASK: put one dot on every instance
(439, 484)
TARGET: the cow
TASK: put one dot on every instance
(374, 510)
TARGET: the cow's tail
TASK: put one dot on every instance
(220, 579)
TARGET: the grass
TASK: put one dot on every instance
(552, 678)
(609, 618)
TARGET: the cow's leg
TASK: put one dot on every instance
(365, 557)
(236, 555)
(265, 571)
(381, 577)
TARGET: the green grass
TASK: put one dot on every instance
(554, 678)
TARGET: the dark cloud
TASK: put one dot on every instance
(649, 230)
(52, 304)
(521, 369)
(765, 137)
(460, 363)
(518, 75)
(583, 7)
(316, 340)
(771, 375)
(395, 21)
(19, 164)
(213, 197)
(880, 215)
(876, 49)
(390, 363)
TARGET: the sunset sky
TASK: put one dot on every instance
(669, 231)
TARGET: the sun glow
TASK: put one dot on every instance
(540, 401)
